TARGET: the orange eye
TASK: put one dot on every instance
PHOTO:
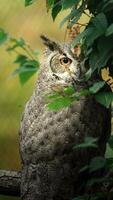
(65, 61)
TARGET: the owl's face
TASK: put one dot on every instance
(63, 67)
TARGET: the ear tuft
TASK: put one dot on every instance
(50, 44)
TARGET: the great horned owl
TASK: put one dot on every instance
(50, 165)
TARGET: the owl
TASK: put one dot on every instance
(50, 164)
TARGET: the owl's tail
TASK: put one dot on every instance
(46, 181)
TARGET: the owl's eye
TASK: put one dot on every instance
(65, 61)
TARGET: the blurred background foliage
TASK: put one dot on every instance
(28, 23)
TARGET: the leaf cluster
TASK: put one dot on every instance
(65, 98)
(96, 39)
(26, 58)
(93, 168)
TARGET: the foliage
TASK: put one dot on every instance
(89, 142)
(93, 168)
(29, 2)
(96, 196)
(105, 98)
(110, 142)
(3, 36)
(96, 39)
(65, 98)
(26, 58)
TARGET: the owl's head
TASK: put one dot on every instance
(63, 65)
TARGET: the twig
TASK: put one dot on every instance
(87, 14)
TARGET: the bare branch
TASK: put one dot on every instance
(10, 183)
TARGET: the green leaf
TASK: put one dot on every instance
(29, 2)
(21, 59)
(74, 16)
(104, 98)
(88, 143)
(78, 39)
(102, 180)
(100, 22)
(60, 102)
(97, 28)
(96, 87)
(92, 6)
(25, 76)
(92, 35)
(77, 95)
(24, 69)
(19, 42)
(26, 73)
(110, 142)
(84, 197)
(109, 30)
(108, 6)
(109, 161)
(97, 163)
(16, 43)
(69, 90)
(32, 63)
(83, 169)
(67, 18)
(3, 36)
(27, 70)
(12, 47)
(99, 57)
(56, 9)
(87, 34)
(82, 92)
(107, 43)
(53, 96)
(88, 74)
(94, 61)
(69, 3)
(49, 4)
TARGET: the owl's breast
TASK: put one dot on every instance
(51, 134)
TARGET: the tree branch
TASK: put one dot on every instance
(10, 183)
